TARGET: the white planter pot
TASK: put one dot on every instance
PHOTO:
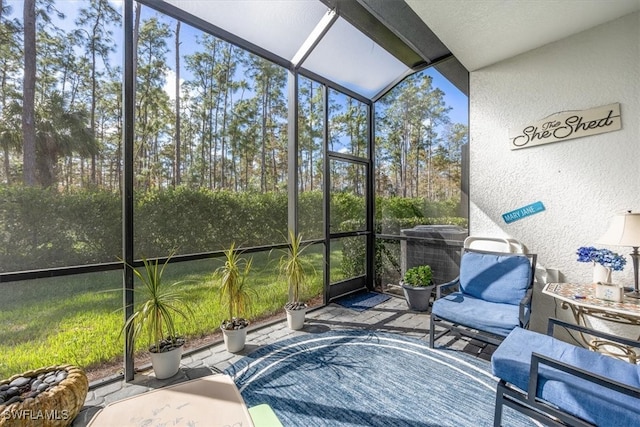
(166, 364)
(295, 319)
(234, 339)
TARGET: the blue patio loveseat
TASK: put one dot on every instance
(561, 384)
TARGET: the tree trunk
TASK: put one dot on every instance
(28, 93)
(263, 150)
(136, 36)
(311, 142)
(7, 167)
(225, 106)
(176, 163)
(93, 96)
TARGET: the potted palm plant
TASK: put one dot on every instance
(159, 304)
(236, 296)
(293, 267)
(418, 287)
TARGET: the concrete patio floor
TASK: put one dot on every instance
(390, 316)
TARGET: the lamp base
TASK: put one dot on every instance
(633, 294)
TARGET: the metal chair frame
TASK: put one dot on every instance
(451, 326)
(530, 404)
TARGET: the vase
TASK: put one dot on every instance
(601, 274)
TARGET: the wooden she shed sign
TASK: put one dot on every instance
(567, 125)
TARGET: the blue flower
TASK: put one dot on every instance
(604, 257)
(586, 254)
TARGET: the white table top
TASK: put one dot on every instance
(209, 401)
(583, 295)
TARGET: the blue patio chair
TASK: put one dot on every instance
(489, 298)
(560, 384)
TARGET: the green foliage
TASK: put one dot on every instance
(415, 207)
(199, 220)
(159, 304)
(399, 207)
(345, 207)
(43, 229)
(234, 291)
(293, 268)
(420, 276)
(310, 209)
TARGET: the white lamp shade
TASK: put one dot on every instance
(624, 230)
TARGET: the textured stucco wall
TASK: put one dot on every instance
(581, 182)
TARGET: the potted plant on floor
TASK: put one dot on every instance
(418, 287)
(159, 304)
(236, 296)
(293, 267)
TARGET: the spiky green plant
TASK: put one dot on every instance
(235, 293)
(294, 267)
(158, 306)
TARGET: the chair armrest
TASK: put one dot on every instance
(539, 359)
(525, 315)
(450, 286)
(553, 322)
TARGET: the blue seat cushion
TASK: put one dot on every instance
(495, 277)
(487, 316)
(596, 404)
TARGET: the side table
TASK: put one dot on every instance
(581, 300)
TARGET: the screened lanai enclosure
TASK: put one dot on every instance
(146, 129)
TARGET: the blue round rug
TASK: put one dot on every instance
(364, 378)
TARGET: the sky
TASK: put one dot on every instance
(453, 97)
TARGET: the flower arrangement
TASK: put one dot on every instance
(604, 257)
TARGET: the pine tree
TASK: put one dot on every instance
(28, 94)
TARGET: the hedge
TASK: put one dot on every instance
(40, 228)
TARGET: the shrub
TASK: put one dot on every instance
(420, 275)
(40, 228)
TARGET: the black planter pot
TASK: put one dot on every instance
(418, 297)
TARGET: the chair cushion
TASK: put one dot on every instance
(596, 404)
(487, 316)
(495, 277)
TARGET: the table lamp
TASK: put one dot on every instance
(624, 230)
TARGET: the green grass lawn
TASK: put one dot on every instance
(77, 319)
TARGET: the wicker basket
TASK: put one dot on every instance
(54, 407)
